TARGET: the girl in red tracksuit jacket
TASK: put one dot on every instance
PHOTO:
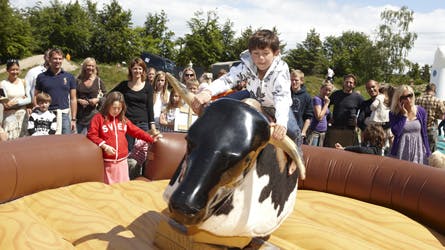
(107, 130)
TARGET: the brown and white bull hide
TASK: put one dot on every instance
(230, 182)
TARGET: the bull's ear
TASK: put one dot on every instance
(290, 148)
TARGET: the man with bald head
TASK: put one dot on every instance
(372, 87)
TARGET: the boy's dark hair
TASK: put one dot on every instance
(264, 39)
(43, 97)
(11, 62)
(374, 135)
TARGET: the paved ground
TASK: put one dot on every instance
(38, 59)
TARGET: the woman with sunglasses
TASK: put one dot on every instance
(187, 74)
(408, 124)
(15, 101)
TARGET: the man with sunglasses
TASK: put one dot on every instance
(435, 109)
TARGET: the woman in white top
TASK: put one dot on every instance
(380, 108)
(161, 95)
(15, 102)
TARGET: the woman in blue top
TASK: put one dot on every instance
(319, 123)
(408, 124)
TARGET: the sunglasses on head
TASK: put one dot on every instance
(12, 61)
(404, 97)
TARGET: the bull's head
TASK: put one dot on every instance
(221, 145)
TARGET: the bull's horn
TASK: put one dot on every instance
(186, 95)
(291, 149)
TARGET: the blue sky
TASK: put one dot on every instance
(294, 18)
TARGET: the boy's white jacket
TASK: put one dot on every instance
(272, 91)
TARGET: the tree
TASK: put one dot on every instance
(425, 73)
(77, 32)
(15, 33)
(48, 24)
(308, 55)
(353, 52)
(394, 40)
(240, 43)
(204, 46)
(414, 71)
(228, 35)
(157, 33)
(114, 40)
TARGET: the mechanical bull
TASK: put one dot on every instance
(234, 179)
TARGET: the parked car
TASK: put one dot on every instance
(160, 63)
(216, 67)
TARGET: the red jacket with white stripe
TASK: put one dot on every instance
(112, 132)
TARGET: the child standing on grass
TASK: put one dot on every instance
(42, 121)
(108, 129)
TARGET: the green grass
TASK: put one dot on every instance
(313, 84)
(112, 74)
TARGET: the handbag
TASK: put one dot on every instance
(100, 95)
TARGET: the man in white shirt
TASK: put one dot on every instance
(32, 74)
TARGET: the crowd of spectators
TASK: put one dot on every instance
(392, 122)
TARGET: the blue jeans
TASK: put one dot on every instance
(82, 129)
(316, 138)
(433, 137)
(66, 124)
(130, 139)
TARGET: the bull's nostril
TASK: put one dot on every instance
(185, 214)
(183, 209)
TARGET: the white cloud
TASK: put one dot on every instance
(293, 19)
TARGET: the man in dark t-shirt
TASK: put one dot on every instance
(346, 104)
